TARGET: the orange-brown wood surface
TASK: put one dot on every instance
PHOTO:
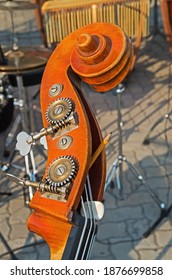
(52, 219)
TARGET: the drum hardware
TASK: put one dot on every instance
(118, 165)
(6, 102)
(23, 64)
(164, 210)
(165, 118)
(164, 213)
(116, 170)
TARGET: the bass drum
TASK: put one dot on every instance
(6, 103)
(166, 11)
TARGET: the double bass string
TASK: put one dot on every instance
(89, 216)
(83, 231)
(89, 221)
(92, 215)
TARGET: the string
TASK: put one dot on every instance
(89, 215)
(89, 221)
(83, 231)
(93, 217)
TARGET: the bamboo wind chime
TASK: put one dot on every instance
(65, 16)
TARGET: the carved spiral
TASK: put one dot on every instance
(102, 60)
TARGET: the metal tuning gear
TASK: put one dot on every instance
(57, 185)
(59, 111)
(59, 114)
(62, 171)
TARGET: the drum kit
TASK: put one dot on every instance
(19, 67)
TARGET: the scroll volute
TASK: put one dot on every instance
(100, 54)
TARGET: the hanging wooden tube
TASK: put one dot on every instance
(102, 60)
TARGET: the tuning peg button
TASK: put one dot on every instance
(43, 142)
(24, 142)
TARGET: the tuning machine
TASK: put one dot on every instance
(25, 141)
(58, 182)
(43, 187)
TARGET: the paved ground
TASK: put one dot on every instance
(146, 99)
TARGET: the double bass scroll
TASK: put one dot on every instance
(72, 188)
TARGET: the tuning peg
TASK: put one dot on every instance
(41, 186)
(43, 142)
(15, 179)
(24, 142)
(23, 181)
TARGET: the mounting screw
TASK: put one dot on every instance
(55, 89)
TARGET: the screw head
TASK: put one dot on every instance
(55, 89)
(64, 142)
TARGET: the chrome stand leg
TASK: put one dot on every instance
(116, 171)
(146, 141)
(31, 172)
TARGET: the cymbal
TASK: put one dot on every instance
(17, 5)
(24, 60)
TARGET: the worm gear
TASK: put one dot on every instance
(62, 171)
(59, 111)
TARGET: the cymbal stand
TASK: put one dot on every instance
(167, 117)
(165, 210)
(23, 118)
(116, 170)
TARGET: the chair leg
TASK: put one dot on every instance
(166, 12)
